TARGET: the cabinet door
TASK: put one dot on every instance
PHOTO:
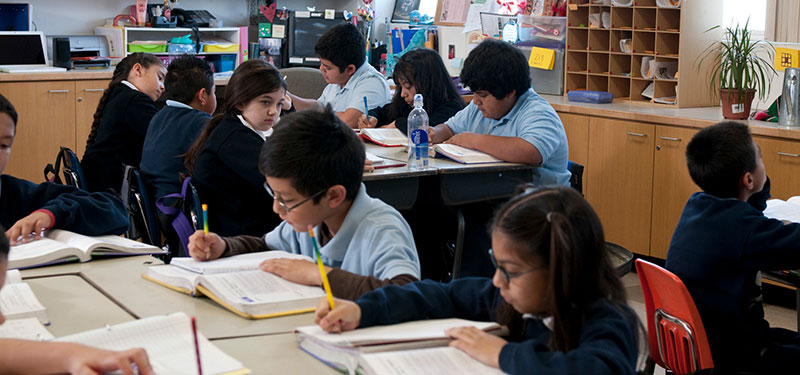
(46, 121)
(577, 129)
(672, 185)
(88, 94)
(620, 178)
(782, 161)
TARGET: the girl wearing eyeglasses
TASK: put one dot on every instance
(554, 288)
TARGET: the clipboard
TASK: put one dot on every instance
(451, 12)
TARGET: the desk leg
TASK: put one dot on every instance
(459, 251)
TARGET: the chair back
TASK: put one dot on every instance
(576, 177)
(675, 331)
(68, 164)
(141, 209)
(304, 82)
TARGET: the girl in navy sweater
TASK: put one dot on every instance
(554, 288)
(420, 71)
(121, 121)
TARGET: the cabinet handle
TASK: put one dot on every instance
(669, 138)
(636, 134)
(94, 90)
(58, 91)
(788, 154)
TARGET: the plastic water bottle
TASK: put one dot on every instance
(418, 136)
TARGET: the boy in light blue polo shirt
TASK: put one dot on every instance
(350, 78)
(313, 165)
(506, 118)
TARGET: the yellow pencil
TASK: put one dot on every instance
(322, 272)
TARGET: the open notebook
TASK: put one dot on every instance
(169, 342)
(237, 284)
(464, 155)
(403, 348)
(387, 137)
(18, 301)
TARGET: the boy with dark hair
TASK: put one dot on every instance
(189, 89)
(313, 165)
(721, 243)
(506, 118)
(28, 209)
(350, 78)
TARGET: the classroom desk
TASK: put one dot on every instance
(273, 354)
(73, 305)
(790, 279)
(120, 280)
(397, 186)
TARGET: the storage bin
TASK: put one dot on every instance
(149, 48)
(229, 47)
(548, 81)
(180, 48)
(540, 31)
(221, 63)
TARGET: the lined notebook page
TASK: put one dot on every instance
(432, 361)
(253, 287)
(168, 341)
(26, 328)
(235, 263)
(416, 330)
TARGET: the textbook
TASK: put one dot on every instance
(380, 163)
(374, 349)
(168, 341)
(386, 137)
(464, 155)
(239, 286)
(18, 301)
(61, 245)
(788, 210)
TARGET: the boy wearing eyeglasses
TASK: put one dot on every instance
(313, 165)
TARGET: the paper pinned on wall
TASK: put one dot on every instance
(278, 31)
(330, 14)
(474, 15)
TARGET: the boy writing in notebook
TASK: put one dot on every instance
(350, 78)
(721, 243)
(28, 209)
(313, 165)
(36, 357)
(506, 118)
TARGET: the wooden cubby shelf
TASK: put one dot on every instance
(595, 59)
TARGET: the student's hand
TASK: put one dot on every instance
(477, 344)
(29, 228)
(87, 360)
(204, 247)
(368, 166)
(345, 317)
(468, 140)
(295, 270)
(364, 122)
(287, 102)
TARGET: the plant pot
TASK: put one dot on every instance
(732, 107)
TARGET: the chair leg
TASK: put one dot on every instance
(649, 366)
(459, 251)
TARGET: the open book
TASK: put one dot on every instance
(368, 350)
(18, 301)
(169, 343)
(788, 210)
(237, 284)
(379, 162)
(464, 155)
(25, 329)
(387, 137)
(61, 245)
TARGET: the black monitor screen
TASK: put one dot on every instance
(27, 49)
(306, 32)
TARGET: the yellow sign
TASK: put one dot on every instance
(543, 58)
(786, 58)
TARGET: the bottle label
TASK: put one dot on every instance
(419, 137)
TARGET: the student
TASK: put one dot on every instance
(313, 166)
(350, 78)
(506, 118)
(190, 102)
(721, 243)
(554, 287)
(35, 357)
(29, 209)
(121, 120)
(223, 161)
(420, 71)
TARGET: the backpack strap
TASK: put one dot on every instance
(55, 170)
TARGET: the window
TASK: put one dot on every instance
(734, 11)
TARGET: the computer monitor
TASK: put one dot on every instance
(303, 34)
(23, 48)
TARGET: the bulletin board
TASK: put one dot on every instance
(451, 12)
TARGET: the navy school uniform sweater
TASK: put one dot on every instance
(172, 130)
(227, 178)
(438, 116)
(120, 137)
(76, 210)
(607, 342)
(717, 249)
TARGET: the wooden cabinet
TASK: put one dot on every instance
(782, 161)
(620, 175)
(88, 95)
(577, 130)
(672, 185)
(48, 113)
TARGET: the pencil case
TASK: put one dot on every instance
(585, 96)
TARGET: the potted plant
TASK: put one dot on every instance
(738, 69)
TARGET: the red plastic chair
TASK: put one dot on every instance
(677, 337)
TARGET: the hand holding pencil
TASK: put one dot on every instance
(204, 246)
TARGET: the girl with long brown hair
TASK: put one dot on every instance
(121, 121)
